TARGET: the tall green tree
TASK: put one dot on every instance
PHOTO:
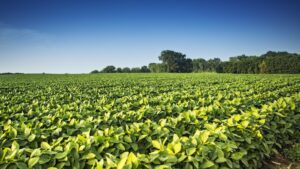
(144, 69)
(119, 70)
(271, 62)
(94, 71)
(135, 70)
(109, 69)
(126, 70)
(157, 67)
(213, 64)
(175, 61)
(200, 65)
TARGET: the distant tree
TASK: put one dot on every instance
(282, 62)
(144, 69)
(213, 64)
(157, 67)
(135, 70)
(153, 67)
(11, 73)
(7, 73)
(175, 61)
(271, 62)
(92, 72)
(263, 67)
(187, 65)
(109, 69)
(119, 70)
(126, 70)
(220, 68)
(200, 65)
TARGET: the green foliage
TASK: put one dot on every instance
(158, 67)
(94, 71)
(147, 120)
(126, 70)
(271, 62)
(175, 61)
(144, 69)
(113, 69)
(109, 69)
(293, 152)
(135, 70)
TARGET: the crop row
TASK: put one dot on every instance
(208, 123)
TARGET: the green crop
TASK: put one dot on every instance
(150, 121)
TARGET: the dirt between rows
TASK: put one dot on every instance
(280, 162)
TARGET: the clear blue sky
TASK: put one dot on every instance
(73, 36)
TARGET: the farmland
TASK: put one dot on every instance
(146, 120)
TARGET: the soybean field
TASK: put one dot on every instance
(151, 121)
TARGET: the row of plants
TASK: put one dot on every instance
(74, 123)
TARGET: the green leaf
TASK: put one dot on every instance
(89, 156)
(35, 153)
(121, 163)
(135, 146)
(204, 136)
(191, 151)
(172, 159)
(27, 131)
(3, 166)
(132, 159)
(182, 157)
(92, 162)
(21, 165)
(61, 165)
(142, 137)
(245, 162)
(207, 164)
(11, 155)
(245, 123)
(44, 158)
(221, 160)
(229, 163)
(33, 161)
(31, 137)
(223, 137)
(262, 121)
(127, 139)
(121, 147)
(175, 138)
(237, 117)
(61, 155)
(15, 146)
(238, 155)
(292, 105)
(162, 167)
(259, 135)
(110, 163)
(45, 146)
(14, 132)
(220, 153)
(156, 144)
(163, 122)
(177, 148)
(100, 164)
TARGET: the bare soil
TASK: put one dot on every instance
(280, 162)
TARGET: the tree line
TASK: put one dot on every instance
(113, 69)
(11, 73)
(176, 62)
